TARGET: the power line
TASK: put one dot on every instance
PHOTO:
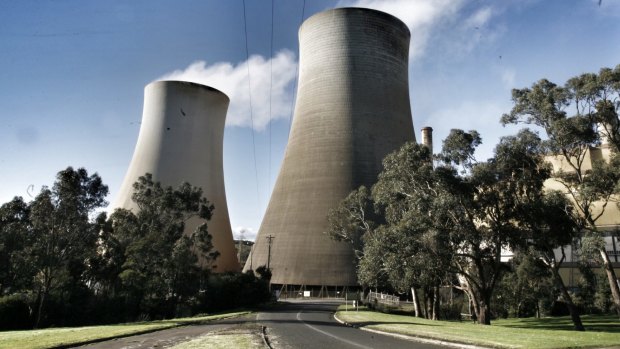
(290, 120)
(270, 96)
(247, 55)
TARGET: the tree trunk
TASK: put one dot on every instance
(474, 305)
(428, 300)
(435, 303)
(572, 309)
(484, 309)
(613, 280)
(416, 302)
(40, 307)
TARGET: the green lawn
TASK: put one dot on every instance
(601, 331)
(53, 337)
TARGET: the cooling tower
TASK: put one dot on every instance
(181, 140)
(352, 109)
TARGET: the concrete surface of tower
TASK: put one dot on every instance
(352, 109)
(181, 140)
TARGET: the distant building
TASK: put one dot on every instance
(608, 223)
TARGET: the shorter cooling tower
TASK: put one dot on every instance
(181, 140)
(352, 110)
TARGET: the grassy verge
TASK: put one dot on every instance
(54, 337)
(246, 337)
(601, 331)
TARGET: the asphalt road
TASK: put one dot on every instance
(290, 325)
(311, 324)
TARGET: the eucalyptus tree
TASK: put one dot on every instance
(550, 228)
(157, 266)
(570, 116)
(411, 249)
(64, 232)
(467, 212)
(15, 236)
(481, 209)
(355, 220)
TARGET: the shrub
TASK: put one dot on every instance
(14, 313)
(234, 290)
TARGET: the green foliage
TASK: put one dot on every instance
(459, 147)
(233, 290)
(422, 223)
(14, 312)
(15, 235)
(526, 290)
(353, 220)
(591, 184)
(148, 258)
(63, 264)
(65, 237)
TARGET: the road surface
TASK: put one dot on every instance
(311, 324)
(294, 324)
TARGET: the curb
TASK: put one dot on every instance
(414, 338)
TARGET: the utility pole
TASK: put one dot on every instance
(270, 239)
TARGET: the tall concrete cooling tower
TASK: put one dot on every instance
(352, 109)
(181, 140)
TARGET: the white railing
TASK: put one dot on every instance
(383, 298)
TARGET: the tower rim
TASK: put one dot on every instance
(361, 9)
(189, 83)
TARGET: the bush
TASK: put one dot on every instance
(234, 290)
(450, 311)
(14, 313)
(559, 308)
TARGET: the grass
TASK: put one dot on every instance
(54, 337)
(546, 333)
(239, 338)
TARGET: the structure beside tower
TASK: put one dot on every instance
(181, 140)
(352, 109)
(427, 138)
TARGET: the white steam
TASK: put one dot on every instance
(421, 16)
(244, 233)
(233, 80)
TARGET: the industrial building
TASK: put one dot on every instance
(352, 109)
(181, 140)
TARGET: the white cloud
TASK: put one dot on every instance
(233, 80)
(450, 25)
(479, 18)
(421, 16)
(244, 233)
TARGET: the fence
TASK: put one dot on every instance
(376, 297)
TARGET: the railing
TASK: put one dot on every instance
(383, 298)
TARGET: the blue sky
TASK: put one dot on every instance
(72, 75)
